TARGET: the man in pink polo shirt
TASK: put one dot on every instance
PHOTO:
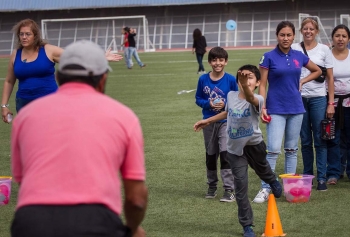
(68, 149)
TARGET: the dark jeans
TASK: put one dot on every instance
(255, 156)
(20, 103)
(333, 148)
(344, 143)
(345, 159)
(67, 221)
(200, 63)
(310, 135)
(333, 157)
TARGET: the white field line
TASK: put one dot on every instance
(110, 75)
(159, 62)
(191, 61)
(118, 75)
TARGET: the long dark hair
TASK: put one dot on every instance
(126, 30)
(38, 41)
(197, 34)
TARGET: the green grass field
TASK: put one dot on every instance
(175, 159)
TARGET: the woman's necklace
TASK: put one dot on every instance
(29, 57)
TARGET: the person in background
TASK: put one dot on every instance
(281, 68)
(73, 159)
(316, 103)
(341, 72)
(125, 44)
(199, 47)
(245, 146)
(132, 49)
(33, 64)
(211, 96)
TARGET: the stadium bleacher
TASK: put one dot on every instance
(171, 23)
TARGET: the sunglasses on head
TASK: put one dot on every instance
(311, 18)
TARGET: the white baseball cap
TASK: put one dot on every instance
(86, 54)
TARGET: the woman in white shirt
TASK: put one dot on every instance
(341, 72)
(314, 95)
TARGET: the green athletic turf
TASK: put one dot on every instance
(176, 163)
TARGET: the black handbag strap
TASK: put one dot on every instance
(303, 46)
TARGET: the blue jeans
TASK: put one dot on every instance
(310, 136)
(133, 52)
(200, 61)
(333, 148)
(290, 124)
(126, 56)
(20, 103)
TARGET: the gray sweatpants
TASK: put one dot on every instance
(215, 141)
(255, 156)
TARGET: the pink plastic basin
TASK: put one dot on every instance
(5, 189)
(298, 189)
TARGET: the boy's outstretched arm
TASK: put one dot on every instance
(248, 93)
(205, 122)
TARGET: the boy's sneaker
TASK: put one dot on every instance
(262, 196)
(276, 188)
(228, 196)
(321, 186)
(248, 231)
(211, 193)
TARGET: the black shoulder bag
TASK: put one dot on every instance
(321, 78)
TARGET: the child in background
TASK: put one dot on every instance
(212, 90)
(245, 143)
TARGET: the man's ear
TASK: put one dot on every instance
(101, 86)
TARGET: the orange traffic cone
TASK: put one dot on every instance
(273, 226)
